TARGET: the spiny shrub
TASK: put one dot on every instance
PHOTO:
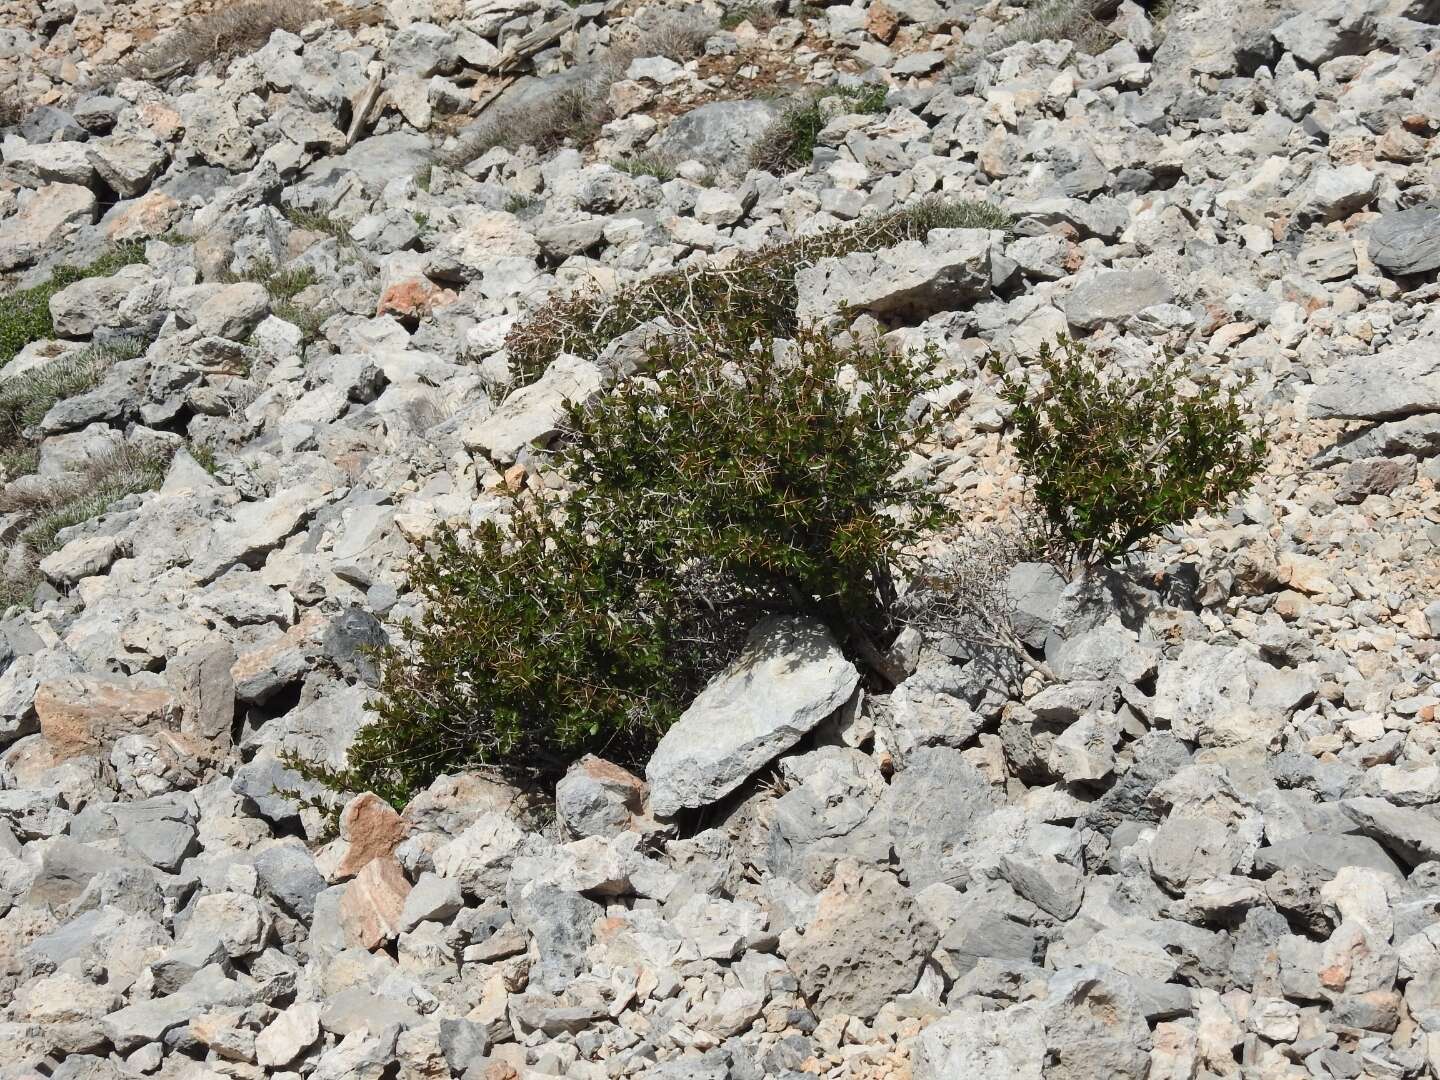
(752, 294)
(789, 141)
(1113, 458)
(25, 313)
(738, 482)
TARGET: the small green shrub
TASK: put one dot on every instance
(789, 142)
(740, 481)
(1114, 459)
(25, 313)
(753, 294)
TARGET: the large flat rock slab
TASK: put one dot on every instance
(790, 676)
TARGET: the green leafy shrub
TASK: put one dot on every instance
(25, 313)
(752, 294)
(738, 482)
(789, 142)
(1114, 459)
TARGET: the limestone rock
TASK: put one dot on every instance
(790, 676)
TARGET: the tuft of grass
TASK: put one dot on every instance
(25, 399)
(752, 295)
(282, 283)
(656, 165)
(25, 313)
(105, 481)
(12, 107)
(575, 114)
(518, 201)
(308, 319)
(324, 224)
(317, 222)
(21, 460)
(1048, 20)
(216, 37)
(789, 142)
(761, 16)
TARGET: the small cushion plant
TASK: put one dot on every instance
(1113, 459)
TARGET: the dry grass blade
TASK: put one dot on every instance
(217, 36)
(574, 113)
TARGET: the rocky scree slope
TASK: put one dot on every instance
(1208, 848)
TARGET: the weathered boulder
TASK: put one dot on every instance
(866, 944)
(909, 281)
(1114, 296)
(1406, 241)
(790, 676)
(1395, 382)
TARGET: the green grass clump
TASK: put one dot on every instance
(789, 142)
(753, 294)
(282, 283)
(25, 313)
(105, 482)
(661, 168)
(747, 478)
(1114, 459)
(25, 399)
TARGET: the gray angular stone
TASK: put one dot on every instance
(1395, 382)
(790, 676)
(1405, 242)
(1113, 296)
(531, 416)
(288, 874)
(934, 803)
(865, 946)
(909, 281)
(1051, 885)
(1412, 835)
(563, 925)
(597, 798)
(1332, 28)
(719, 135)
(1326, 852)
(432, 899)
(1337, 193)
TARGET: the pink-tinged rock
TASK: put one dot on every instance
(150, 215)
(370, 830)
(415, 298)
(85, 714)
(370, 909)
